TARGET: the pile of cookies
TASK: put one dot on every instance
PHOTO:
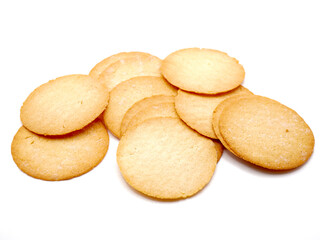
(172, 117)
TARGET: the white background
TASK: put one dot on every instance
(276, 41)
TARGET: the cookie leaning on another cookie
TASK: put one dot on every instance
(153, 111)
(141, 105)
(60, 157)
(164, 158)
(216, 117)
(196, 110)
(266, 133)
(127, 93)
(64, 105)
(202, 70)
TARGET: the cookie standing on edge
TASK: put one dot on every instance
(101, 66)
(164, 158)
(60, 157)
(266, 133)
(196, 110)
(64, 105)
(127, 68)
(127, 93)
(202, 70)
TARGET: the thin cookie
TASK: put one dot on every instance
(101, 66)
(139, 106)
(202, 70)
(266, 133)
(62, 157)
(64, 105)
(127, 93)
(164, 158)
(127, 68)
(153, 111)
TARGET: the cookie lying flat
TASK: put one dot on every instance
(216, 117)
(127, 93)
(64, 105)
(202, 70)
(101, 66)
(164, 158)
(153, 111)
(139, 106)
(63, 157)
(127, 68)
(196, 110)
(265, 132)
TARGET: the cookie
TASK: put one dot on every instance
(101, 66)
(140, 105)
(202, 70)
(216, 116)
(153, 111)
(164, 158)
(196, 110)
(266, 133)
(60, 157)
(127, 68)
(127, 93)
(64, 105)
(219, 148)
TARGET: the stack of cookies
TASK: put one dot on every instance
(172, 117)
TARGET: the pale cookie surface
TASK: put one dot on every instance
(140, 105)
(62, 157)
(216, 116)
(202, 70)
(101, 66)
(127, 93)
(164, 158)
(153, 111)
(196, 110)
(265, 132)
(64, 105)
(127, 68)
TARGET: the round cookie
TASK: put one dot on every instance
(140, 105)
(216, 116)
(153, 111)
(101, 66)
(127, 93)
(196, 110)
(266, 133)
(164, 158)
(60, 157)
(64, 105)
(127, 68)
(202, 70)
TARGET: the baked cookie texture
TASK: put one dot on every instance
(140, 105)
(216, 117)
(64, 105)
(266, 133)
(164, 158)
(101, 66)
(60, 157)
(203, 70)
(196, 110)
(127, 68)
(127, 93)
(158, 110)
